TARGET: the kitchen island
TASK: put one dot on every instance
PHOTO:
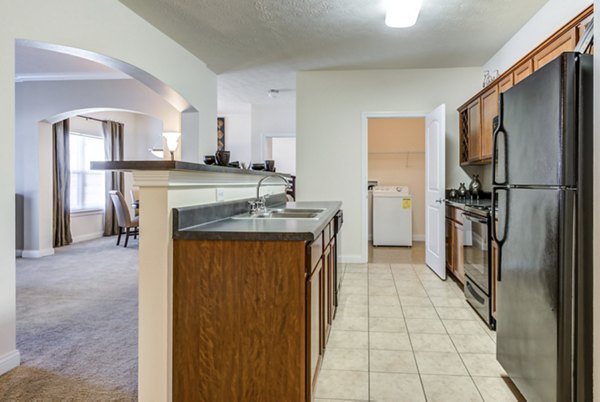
(253, 301)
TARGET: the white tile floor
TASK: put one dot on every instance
(402, 334)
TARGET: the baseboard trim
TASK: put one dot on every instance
(18, 253)
(89, 236)
(9, 361)
(353, 259)
(419, 237)
(37, 253)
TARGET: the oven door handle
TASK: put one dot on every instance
(474, 218)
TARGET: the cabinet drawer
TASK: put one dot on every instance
(454, 214)
(316, 251)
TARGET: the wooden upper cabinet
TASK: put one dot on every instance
(474, 133)
(505, 84)
(489, 110)
(522, 71)
(564, 43)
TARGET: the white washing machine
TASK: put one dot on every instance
(392, 216)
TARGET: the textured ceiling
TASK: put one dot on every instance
(255, 45)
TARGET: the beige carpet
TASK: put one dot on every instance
(76, 325)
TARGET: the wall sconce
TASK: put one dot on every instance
(172, 139)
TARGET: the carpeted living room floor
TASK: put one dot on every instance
(77, 325)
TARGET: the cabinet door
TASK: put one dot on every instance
(314, 319)
(522, 71)
(332, 280)
(475, 131)
(564, 43)
(489, 110)
(459, 255)
(450, 245)
(505, 84)
(327, 294)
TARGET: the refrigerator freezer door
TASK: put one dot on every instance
(536, 144)
(534, 297)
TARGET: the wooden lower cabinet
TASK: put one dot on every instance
(251, 318)
(314, 304)
(459, 255)
(455, 261)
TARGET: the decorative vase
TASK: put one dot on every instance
(462, 190)
(475, 186)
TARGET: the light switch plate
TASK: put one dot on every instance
(220, 194)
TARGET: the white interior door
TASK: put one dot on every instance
(435, 177)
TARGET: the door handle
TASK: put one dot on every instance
(440, 201)
(499, 241)
(499, 129)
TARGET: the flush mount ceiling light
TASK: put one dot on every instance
(402, 13)
(273, 93)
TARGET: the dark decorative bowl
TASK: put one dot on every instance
(210, 159)
(234, 164)
(258, 166)
(223, 158)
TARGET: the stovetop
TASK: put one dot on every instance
(481, 206)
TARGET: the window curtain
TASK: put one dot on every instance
(61, 214)
(113, 151)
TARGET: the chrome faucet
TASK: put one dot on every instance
(258, 206)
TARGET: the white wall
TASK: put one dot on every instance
(272, 118)
(551, 17)
(108, 28)
(283, 152)
(329, 109)
(238, 136)
(38, 101)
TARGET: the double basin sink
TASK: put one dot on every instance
(285, 213)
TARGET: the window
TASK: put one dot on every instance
(87, 186)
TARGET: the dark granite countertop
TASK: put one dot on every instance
(226, 228)
(128, 166)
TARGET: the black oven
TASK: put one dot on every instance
(477, 257)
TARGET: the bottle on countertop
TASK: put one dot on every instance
(462, 190)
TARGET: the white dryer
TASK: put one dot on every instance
(392, 216)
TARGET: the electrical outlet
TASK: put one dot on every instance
(220, 194)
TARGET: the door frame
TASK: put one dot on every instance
(364, 168)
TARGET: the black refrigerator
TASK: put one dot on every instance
(542, 189)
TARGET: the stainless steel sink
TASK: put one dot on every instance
(285, 213)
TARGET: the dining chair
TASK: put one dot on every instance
(135, 201)
(124, 219)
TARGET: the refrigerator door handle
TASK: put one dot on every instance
(499, 240)
(499, 129)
